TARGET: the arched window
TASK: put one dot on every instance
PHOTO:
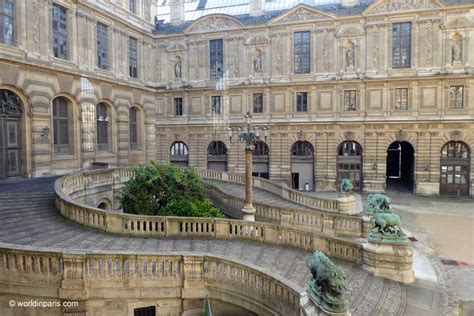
(179, 154)
(302, 166)
(62, 130)
(261, 149)
(349, 164)
(302, 149)
(134, 129)
(104, 133)
(217, 148)
(217, 156)
(350, 149)
(455, 169)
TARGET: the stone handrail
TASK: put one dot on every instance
(139, 225)
(79, 276)
(328, 223)
(310, 201)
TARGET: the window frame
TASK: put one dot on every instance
(102, 38)
(257, 107)
(398, 99)
(5, 16)
(352, 94)
(455, 102)
(178, 106)
(216, 108)
(302, 52)
(133, 57)
(401, 44)
(59, 128)
(132, 6)
(57, 34)
(134, 140)
(216, 59)
(103, 126)
(302, 107)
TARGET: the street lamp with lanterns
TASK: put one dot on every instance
(249, 136)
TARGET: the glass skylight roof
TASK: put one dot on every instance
(231, 7)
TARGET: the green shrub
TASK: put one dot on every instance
(166, 190)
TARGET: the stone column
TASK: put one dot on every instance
(249, 210)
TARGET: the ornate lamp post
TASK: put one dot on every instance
(249, 137)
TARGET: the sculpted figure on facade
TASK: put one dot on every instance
(456, 50)
(402, 5)
(177, 68)
(214, 23)
(257, 61)
(350, 56)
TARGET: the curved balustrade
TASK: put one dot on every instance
(310, 201)
(138, 275)
(183, 227)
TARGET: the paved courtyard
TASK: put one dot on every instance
(28, 217)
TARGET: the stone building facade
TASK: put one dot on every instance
(377, 91)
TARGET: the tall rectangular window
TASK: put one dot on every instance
(133, 6)
(178, 106)
(216, 58)
(134, 129)
(258, 103)
(302, 102)
(132, 57)
(7, 22)
(61, 125)
(302, 52)
(60, 32)
(401, 99)
(350, 100)
(216, 104)
(401, 45)
(102, 46)
(456, 97)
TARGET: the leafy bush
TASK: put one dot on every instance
(166, 190)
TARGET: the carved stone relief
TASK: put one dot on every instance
(214, 23)
(456, 48)
(428, 46)
(303, 14)
(404, 5)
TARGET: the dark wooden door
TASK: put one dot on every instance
(10, 148)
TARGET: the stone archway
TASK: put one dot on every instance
(349, 164)
(217, 156)
(455, 169)
(11, 144)
(302, 166)
(401, 167)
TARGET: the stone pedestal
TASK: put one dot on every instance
(249, 213)
(309, 308)
(366, 226)
(390, 261)
(347, 204)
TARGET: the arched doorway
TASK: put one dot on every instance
(349, 164)
(455, 169)
(400, 167)
(217, 156)
(261, 160)
(179, 154)
(10, 134)
(302, 166)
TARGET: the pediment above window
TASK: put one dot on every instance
(387, 6)
(350, 32)
(300, 13)
(214, 23)
(260, 39)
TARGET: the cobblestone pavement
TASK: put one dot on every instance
(28, 217)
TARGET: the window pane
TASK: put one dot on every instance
(132, 55)
(302, 52)
(60, 32)
(216, 58)
(401, 45)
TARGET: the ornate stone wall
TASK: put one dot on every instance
(347, 53)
